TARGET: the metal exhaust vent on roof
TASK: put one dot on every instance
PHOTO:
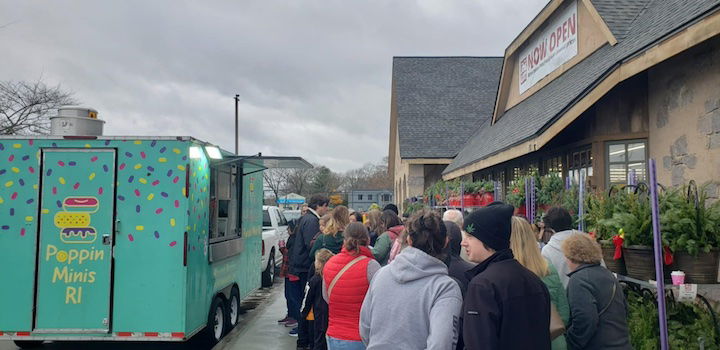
(76, 121)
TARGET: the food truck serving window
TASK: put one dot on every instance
(224, 203)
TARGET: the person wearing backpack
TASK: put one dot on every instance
(393, 227)
(315, 309)
(346, 278)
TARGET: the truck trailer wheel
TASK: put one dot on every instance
(268, 276)
(28, 344)
(233, 308)
(217, 322)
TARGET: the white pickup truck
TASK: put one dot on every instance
(274, 232)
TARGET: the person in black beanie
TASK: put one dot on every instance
(506, 305)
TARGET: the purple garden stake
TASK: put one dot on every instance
(531, 208)
(632, 178)
(657, 239)
(567, 182)
(498, 191)
(462, 196)
(528, 200)
(581, 202)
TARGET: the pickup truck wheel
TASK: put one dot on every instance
(28, 344)
(268, 276)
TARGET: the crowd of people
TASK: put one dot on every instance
(378, 281)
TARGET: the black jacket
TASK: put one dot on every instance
(506, 306)
(590, 290)
(314, 300)
(307, 227)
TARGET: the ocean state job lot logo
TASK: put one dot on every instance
(74, 220)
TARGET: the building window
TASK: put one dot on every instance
(623, 158)
(386, 198)
(554, 165)
(369, 197)
(577, 161)
(360, 197)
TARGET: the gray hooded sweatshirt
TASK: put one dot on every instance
(413, 304)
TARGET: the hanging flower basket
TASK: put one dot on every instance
(640, 263)
(700, 269)
(614, 265)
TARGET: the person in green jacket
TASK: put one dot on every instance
(332, 237)
(523, 244)
(393, 227)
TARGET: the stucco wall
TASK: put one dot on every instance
(684, 108)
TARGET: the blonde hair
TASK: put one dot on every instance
(581, 249)
(523, 243)
(323, 222)
(374, 224)
(339, 219)
(321, 257)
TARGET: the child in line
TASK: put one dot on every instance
(315, 309)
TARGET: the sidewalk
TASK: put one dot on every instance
(261, 330)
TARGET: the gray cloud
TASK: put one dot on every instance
(313, 76)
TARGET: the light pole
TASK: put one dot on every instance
(237, 98)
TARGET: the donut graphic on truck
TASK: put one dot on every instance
(74, 220)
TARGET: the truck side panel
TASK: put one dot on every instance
(205, 280)
(152, 216)
(148, 293)
(19, 177)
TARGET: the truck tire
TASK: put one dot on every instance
(217, 323)
(268, 276)
(28, 344)
(233, 308)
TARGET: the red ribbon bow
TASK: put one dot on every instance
(618, 242)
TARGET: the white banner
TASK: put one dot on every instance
(549, 49)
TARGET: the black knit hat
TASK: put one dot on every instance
(492, 225)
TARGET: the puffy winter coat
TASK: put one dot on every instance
(346, 297)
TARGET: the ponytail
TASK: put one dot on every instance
(428, 233)
(355, 236)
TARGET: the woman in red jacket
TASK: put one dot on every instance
(346, 278)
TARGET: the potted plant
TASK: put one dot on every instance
(516, 196)
(488, 193)
(600, 207)
(549, 192)
(690, 229)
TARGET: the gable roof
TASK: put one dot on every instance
(535, 114)
(619, 15)
(441, 102)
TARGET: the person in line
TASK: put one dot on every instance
(598, 309)
(290, 318)
(455, 216)
(391, 230)
(558, 219)
(332, 237)
(346, 278)
(315, 309)
(355, 216)
(392, 207)
(424, 302)
(457, 266)
(300, 258)
(506, 306)
(374, 225)
(525, 249)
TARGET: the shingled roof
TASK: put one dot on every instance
(643, 28)
(442, 101)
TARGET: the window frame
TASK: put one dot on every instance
(626, 162)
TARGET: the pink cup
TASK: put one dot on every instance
(678, 277)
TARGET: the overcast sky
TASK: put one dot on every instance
(313, 76)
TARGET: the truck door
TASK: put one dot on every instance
(77, 197)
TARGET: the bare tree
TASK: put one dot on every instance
(298, 180)
(276, 180)
(25, 106)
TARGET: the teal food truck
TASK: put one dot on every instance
(125, 238)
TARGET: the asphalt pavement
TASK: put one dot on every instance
(257, 330)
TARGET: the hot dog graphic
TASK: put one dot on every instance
(74, 220)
